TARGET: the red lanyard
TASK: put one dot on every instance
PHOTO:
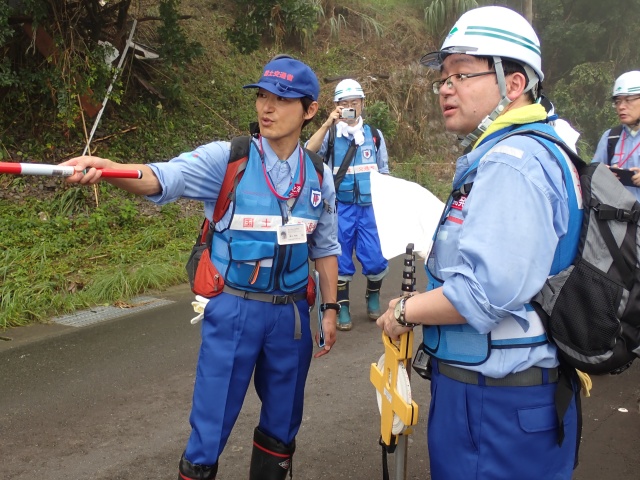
(296, 189)
(620, 164)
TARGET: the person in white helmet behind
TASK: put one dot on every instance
(353, 150)
(494, 374)
(619, 147)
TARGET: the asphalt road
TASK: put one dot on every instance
(111, 401)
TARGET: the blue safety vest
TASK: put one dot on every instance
(247, 253)
(356, 185)
(462, 344)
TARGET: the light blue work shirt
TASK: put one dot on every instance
(503, 247)
(198, 175)
(626, 153)
(382, 157)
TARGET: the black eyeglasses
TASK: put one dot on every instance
(455, 79)
(616, 102)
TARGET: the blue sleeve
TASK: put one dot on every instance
(323, 148)
(601, 151)
(382, 156)
(514, 218)
(196, 175)
(324, 239)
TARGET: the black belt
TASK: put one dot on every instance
(527, 378)
(275, 300)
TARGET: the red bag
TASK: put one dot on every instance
(311, 291)
(207, 280)
(204, 277)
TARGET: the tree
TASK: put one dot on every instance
(440, 15)
(54, 57)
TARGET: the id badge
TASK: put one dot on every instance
(292, 233)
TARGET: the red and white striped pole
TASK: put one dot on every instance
(14, 168)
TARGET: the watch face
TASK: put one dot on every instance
(397, 312)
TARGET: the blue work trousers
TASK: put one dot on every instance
(238, 336)
(357, 228)
(498, 433)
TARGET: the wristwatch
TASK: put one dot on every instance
(330, 306)
(399, 312)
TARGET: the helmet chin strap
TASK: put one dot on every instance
(471, 138)
(488, 120)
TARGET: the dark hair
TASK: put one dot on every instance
(306, 103)
(511, 66)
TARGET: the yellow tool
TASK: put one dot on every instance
(396, 357)
(390, 376)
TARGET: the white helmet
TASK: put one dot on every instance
(491, 32)
(348, 89)
(627, 84)
(499, 33)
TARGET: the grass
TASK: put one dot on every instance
(55, 259)
(61, 252)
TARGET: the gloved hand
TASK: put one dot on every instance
(198, 307)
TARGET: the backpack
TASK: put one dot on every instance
(591, 309)
(204, 279)
(612, 140)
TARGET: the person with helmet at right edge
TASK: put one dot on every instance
(353, 150)
(619, 147)
(501, 406)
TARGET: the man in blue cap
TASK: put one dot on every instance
(282, 214)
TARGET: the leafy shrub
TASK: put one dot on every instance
(281, 20)
(175, 50)
(584, 98)
(379, 115)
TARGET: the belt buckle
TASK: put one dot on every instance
(280, 299)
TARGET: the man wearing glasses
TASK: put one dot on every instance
(353, 150)
(619, 147)
(510, 222)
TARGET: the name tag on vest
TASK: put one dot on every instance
(292, 233)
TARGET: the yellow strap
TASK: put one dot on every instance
(585, 383)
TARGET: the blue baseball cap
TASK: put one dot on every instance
(288, 78)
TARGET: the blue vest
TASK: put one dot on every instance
(464, 345)
(356, 185)
(247, 253)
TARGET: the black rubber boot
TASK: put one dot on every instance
(344, 317)
(373, 298)
(270, 459)
(189, 471)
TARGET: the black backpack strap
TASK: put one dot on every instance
(318, 163)
(606, 213)
(462, 191)
(612, 141)
(346, 161)
(239, 148)
(375, 133)
(331, 141)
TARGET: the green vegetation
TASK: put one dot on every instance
(60, 255)
(64, 248)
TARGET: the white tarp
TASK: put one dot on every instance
(405, 213)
